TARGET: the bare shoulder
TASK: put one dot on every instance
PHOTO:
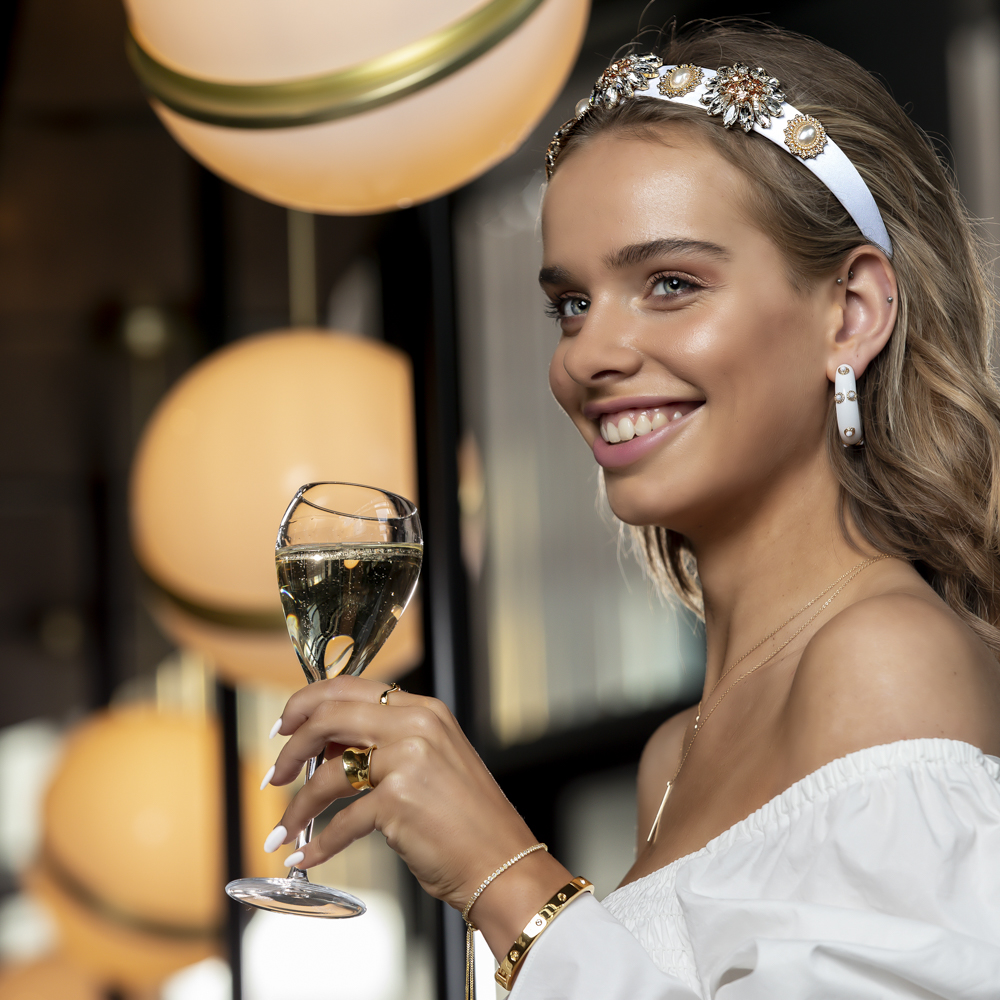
(894, 666)
(659, 760)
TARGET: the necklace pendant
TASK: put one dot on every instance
(654, 829)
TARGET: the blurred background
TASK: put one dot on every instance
(177, 355)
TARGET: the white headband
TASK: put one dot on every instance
(748, 98)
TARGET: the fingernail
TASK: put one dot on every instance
(293, 859)
(275, 839)
(274, 730)
(267, 778)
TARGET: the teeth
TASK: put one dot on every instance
(628, 427)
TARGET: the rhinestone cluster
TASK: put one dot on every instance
(623, 78)
(617, 83)
(744, 96)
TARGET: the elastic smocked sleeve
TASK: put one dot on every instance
(874, 878)
(586, 954)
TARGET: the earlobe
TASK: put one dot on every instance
(867, 283)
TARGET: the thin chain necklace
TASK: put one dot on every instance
(699, 723)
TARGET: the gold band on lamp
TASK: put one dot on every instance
(345, 92)
(60, 876)
(254, 621)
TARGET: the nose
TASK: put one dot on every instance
(600, 352)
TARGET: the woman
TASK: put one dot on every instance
(775, 337)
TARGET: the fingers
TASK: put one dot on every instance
(362, 724)
(348, 825)
(305, 701)
(327, 784)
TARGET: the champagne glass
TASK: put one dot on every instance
(348, 558)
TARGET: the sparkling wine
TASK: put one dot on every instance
(341, 601)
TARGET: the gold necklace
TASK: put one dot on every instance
(843, 580)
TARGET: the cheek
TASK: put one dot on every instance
(560, 383)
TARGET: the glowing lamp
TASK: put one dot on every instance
(218, 464)
(51, 978)
(131, 867)
(333, 106)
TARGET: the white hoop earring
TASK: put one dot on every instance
(848, 415)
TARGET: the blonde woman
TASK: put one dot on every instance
(774, 334)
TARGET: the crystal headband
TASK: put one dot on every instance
(746, 98)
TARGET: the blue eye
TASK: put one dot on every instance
(670, 285)
(567, 308)
(573, 307)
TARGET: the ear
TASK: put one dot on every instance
(868, 311)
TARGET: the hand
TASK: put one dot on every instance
(432, 797)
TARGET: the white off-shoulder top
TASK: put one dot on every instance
(876, 876)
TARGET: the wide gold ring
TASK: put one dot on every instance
(357, 767)
(384, 700)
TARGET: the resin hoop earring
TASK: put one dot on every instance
(848, 415)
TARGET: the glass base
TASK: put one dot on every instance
(296, 895)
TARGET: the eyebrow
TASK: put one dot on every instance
(639, 253)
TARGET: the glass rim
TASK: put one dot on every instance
(409, 505)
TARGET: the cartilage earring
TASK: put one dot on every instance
(845, 395)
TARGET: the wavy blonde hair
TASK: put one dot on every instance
(926, 484)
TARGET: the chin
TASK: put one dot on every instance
(642, 504)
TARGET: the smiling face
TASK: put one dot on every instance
(687, 359)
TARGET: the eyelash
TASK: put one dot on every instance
(553, 308)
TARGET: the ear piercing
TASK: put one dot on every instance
(889, 299)
(850, 274)
(840, 281)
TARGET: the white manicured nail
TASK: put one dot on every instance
(267, 778)
(293, 859)
(275, 839)
(274, 730)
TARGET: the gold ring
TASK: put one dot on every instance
(384, 700)
(357, 767)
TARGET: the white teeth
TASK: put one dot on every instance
(628, 427)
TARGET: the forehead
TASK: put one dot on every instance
(616, 190)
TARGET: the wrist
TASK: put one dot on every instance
(509, 902)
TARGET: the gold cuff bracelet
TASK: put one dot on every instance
(511, 964)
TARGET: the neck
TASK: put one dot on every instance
(765, 565)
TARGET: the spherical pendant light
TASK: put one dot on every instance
(132, 864)
(331, 106)
(218, 464)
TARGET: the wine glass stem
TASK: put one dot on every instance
(306, 835)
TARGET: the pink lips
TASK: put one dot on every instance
(617, 456)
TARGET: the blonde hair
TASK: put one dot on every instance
(926, 484)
